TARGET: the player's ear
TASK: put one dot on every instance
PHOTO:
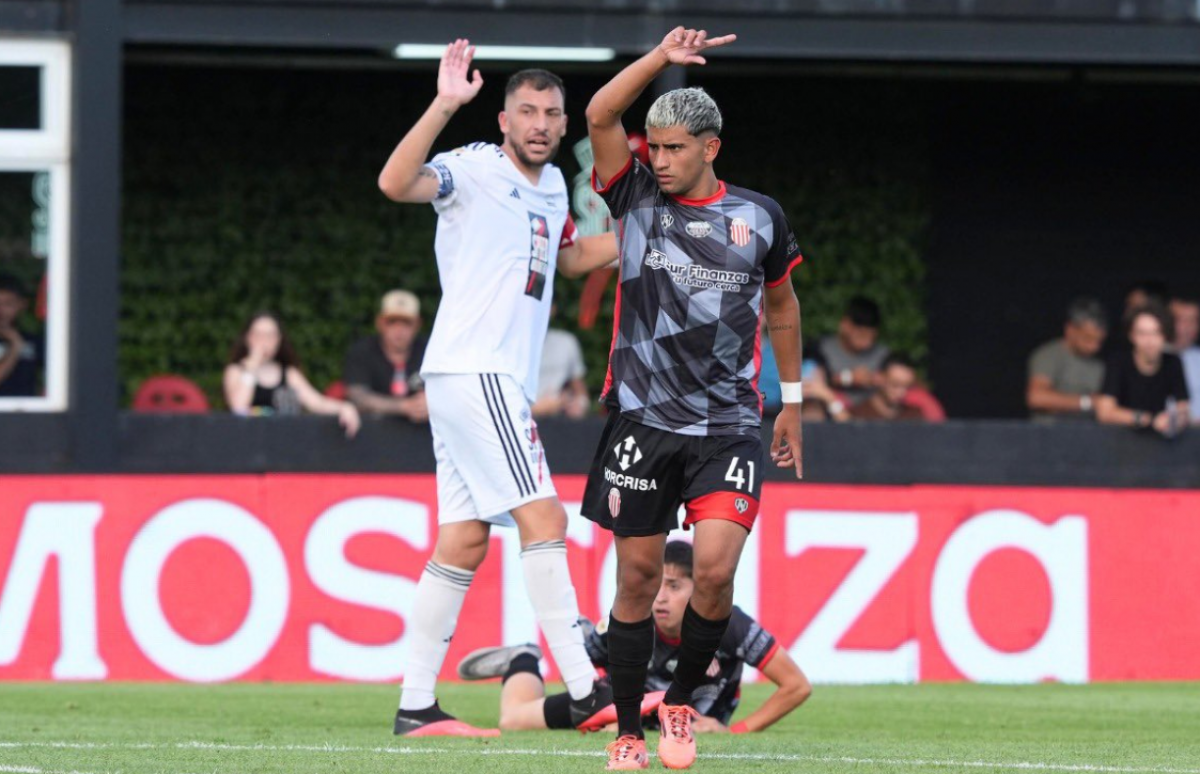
(712, 146)
(503, 118)
(563, 133)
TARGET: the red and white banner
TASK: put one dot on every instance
(311, 577)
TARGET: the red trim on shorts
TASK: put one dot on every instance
(770, 655)
(799, 259)
(718, 196)
(604, 188)
(721, 505)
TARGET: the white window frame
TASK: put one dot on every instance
(47, 149)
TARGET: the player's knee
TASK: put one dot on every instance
(463, 555)
(639, 579)
(714, 581)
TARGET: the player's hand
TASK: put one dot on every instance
(684, 47)
(453, 84)
(707, 725)
(787, 446)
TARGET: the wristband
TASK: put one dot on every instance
(1085, 403)
(792, 392)
(739, 728)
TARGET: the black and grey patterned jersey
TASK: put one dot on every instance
(686, 344)
(745, 642)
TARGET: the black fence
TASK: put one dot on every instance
(977, 453)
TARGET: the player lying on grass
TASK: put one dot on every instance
(524, 705)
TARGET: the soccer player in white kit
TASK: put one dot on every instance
(503, 227)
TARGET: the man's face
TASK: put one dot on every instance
(534, 123)
(397, 332)
(672, 599)
(1187, 323)
(1147, 337)
(1085, 338)
(679, 159)
(895, 383)
(856, 338)
(11, 307)
(1136, 299)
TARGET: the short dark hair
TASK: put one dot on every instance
(1155, 290)
(535, 78)
(11, 284)
(1087, 310)
(678, 553)
(897, 359)
(1159, 312)
(864, 312)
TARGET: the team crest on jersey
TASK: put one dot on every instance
(741, 504)
(739, 232)
(699, 228)
(666, 219)
(614, 502)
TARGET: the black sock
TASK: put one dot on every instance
(556, 710)
(630, 648)
(700, 640)
(524, 663)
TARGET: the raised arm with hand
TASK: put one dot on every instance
(611, 148)
(404, 177)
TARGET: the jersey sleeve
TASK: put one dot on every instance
(456, 178)
(569, 234)
(746, 638)
(626, 189)
(784, 253)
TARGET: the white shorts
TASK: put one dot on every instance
(489, 456)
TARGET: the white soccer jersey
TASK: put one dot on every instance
(498, 237)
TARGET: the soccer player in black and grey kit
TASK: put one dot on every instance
(700, 263)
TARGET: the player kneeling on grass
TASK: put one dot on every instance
(524, 705)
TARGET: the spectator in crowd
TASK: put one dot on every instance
(1185, 311)
(22, 354)
(1150, 292)
(1144, 387)
(887, 402)
(263, 377)
(382, 372)
(561, 389)
(1065, 375)
(853, 358)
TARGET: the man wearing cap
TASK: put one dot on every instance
(382, 372)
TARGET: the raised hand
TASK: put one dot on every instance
(453, 83)
(683, 46)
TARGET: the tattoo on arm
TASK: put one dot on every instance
(781, 327)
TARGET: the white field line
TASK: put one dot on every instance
(332, 748)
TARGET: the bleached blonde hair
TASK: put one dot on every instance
(690, 108)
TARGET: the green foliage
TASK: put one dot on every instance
(256, 189)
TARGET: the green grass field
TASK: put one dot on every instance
(228, 729)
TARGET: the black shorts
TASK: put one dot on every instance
(641, 475)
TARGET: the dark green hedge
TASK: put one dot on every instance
(256, 189)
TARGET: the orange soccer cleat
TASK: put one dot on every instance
(677, 745)
(627, 753)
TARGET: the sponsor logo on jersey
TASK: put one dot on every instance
(739, 232)
(741, 504)
(539, 255)
(630, 482)
(627, 453)
(695, 276)
(614, 502)
(666, 219)
(699, 228)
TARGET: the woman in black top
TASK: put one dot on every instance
(263, 376)
(1144, 387)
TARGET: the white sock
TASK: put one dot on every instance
(440, 594)
(548, 581)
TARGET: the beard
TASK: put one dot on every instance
(522, 154)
